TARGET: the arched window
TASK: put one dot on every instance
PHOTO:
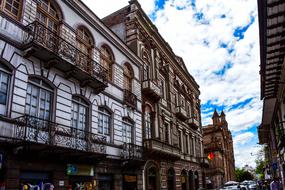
(48, 15)
(148, 122)
(184, 180)
(127, 130)
(146, 66)
(79, 113)
(128, 77)
(39, 99)
(12, 7)
(5, 78)
(84, 42)
(104, 123)
(152, 177)
(191, 180)
(107, 60)
(171, 179)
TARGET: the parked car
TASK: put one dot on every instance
(231, 185)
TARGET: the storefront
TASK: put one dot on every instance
(105, 181)
(129, 182)
(81, 177)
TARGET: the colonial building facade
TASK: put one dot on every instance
(218, 145)
(271, 132)
(70, 100)
(172, 135)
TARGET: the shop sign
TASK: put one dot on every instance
(130, 178)
(74, 169)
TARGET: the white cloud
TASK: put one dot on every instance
(199, 43)
(243, 138)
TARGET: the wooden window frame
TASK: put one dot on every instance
(20, 9)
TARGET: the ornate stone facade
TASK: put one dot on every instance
(217, 139)
(172, 134)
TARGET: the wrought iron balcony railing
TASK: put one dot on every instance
(130, 99)
(44, 38)
(132, 152)
(36, 130)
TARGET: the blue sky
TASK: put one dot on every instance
(218, 41)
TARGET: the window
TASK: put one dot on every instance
(39, 99)
(79, 112)
(166, 133)
(146, 64)
(127, 131)
(47, 14)
(148, 122)
(179, 138)
(107, 60)
(104, 123)
(12, 7)
(84, 43)
(128, 77)
(4, 89)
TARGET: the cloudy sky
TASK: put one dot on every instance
(218, 40)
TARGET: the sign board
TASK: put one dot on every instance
(79, 170)
(130, 178)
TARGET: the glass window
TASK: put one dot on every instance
(39, 99)
(4, 89)
(104, 123)
(107, 60)
(127, 130)
(79, 113)
(128, 77)
(148, 122)
(12, 7)
(84, 42)
(166, 133)
(146, 64)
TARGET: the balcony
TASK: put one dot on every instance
(158, 149)
(193, 123)
(151, 90)
(36, 131)
(181, 113)
(130, 99)
(54, 51)
(132, 152)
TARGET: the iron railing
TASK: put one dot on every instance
(130, 99)
(132, 152)
(36, 130)
(39, 34)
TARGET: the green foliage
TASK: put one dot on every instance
(259, 170)
(242, 174)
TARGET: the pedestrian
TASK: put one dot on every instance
(274, 185)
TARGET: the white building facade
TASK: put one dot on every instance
(70, 99)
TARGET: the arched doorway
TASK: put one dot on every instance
(171, 179)
(196, 178)
(184, 180)
(151, 176)
(191, 180)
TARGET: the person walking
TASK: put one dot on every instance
(274, 185)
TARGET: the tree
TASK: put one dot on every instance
(242, 174)
(259, 170)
